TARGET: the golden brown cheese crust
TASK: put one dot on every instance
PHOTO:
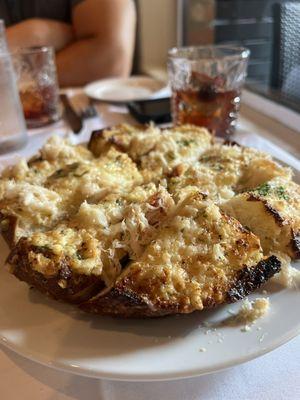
(242, 167)
(25, 203)
(62, 284)
(119, 137)
(224, 170)
(55, 154)
(122, 303)
(272, 212)
(195, 262)
(97, 242)
(155, 151)
(90, 181)
(28, 206)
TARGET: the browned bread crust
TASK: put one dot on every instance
(296, 245)
(8, 227)
(250, 279)
(293, 246)
(119, 301)
(272, 212)
(64, 284)
(123, 303)
(117, 136)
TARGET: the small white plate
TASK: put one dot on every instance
(118, 90)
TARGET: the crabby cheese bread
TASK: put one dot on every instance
(146, 222)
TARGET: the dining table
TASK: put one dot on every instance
(273, 376)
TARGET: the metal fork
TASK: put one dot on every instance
(88, 112)
(84, 109)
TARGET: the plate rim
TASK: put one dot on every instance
(161, 377)
(86, 88)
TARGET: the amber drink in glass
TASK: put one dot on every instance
(37, 82)
(206, 85)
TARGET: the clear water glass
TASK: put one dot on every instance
(206, 83)
(3, 43)
(13, 133)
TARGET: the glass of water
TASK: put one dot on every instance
(3, 44)
(13, 133)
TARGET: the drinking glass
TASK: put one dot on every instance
(3, 44)
(37, 82)
(206, 85)
(12, 125)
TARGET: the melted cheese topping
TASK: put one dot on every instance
(203, 178)
(224, 170)
(80, 181)
(55, 154)
(56, 182)
(148, 199)
(116, 227)
(194, 257)
(33, 205)
(79, 249)
(57, 148)
(271, 211)
(284, 197)
(157, 151)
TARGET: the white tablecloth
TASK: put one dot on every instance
(275, 376)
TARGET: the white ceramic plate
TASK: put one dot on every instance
(118, 90)
(60, 336)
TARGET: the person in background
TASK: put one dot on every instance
(93, 39)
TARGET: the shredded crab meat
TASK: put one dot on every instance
(136, 229)
(288, 276)
(251, 311)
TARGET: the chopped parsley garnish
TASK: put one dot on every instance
(171, 155)
(205, 158)
(79, 255)
(218, 167)
(281, 193)
(185, 142)
(45, 250)
(4, 224)
(63, 172)
(60, 173)
(264, 189)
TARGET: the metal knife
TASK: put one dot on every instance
(73, 120)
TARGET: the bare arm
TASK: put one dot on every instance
(104, 41)
(40, 32)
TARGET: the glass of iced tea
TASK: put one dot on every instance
(206, 85)
(37, 83)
